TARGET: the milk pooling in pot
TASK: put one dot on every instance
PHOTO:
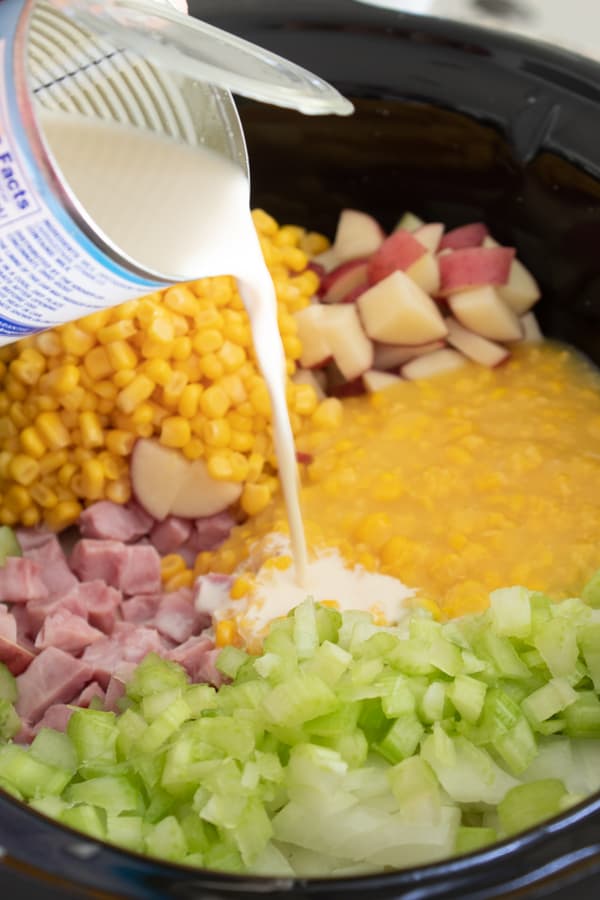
(208, 228)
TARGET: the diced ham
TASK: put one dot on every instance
(113, 522)
(140, 643)
(141, 608)
(197, 656)
(132, 569)
(88, 694)
(212, 531)
(67, 632)
(37, 612)
(102, 603)
(103, 657)
(54, 569)
(177, 617)
(20, 581)
(56, 717)
(21, 615)
(170, 534)
(8, 626)
(25, 734)
(117, 685)
(14, 656)
(128, 643)
(29, 538)
(212, 592)
(52, 677)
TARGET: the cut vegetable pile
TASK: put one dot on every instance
(344, 747)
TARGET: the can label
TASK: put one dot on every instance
(50, 271)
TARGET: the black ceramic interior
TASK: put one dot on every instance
(456, 124)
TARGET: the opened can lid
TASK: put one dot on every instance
(200, 51)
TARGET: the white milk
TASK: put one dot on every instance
(172, 208)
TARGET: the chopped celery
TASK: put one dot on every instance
(591, 592)
(511, 612)
(29, 776)
(548, 700)
(89, 819)
(589, 642)
(167, 840)
(126, 831)
(467, 695)
(230, 660)
(517, 747)
(469, 839)
(153, 676)
(8, 685)
(402, 739)
(113, 793)
(54, 749)
(9, 545)
(94, 735)
(10, 723)
(306, 635)
(302, 697)
(582, 718)
(556, 640)
(527, 804)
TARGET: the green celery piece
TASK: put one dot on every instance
(149, 767)
(166, 840)
(54, 749)
(10, 723)
(130, 727)
(409, 222)
(415, 787)
(224, 858)
(281, 643)
(230, 660)
(31, 777)
(126, 831)
(402, 739)
(329, 622)
(329, 663)
(306, 635)
(227, 734)
(466, 772)
(53, 807)
(378, 646)
(298, 699)
(424, 628)
(446, 656)
(433, 701)
(472, 838)
(551, 726)
(153, 705)
(501, 652)
(366, 671)
(177, 773)
(199, 835)
(500, 712)
(9, 788)
(582, 718)
(8, 685)
(246, 696)
(517, 747)
(352, 620)
(164, 726)
(93, 734)
(161, 805)
(353, 747)
(341, 721)
(267, 664)
(467, 694)
(373, 721)
(113, 793)
(154, 675)
(548, 700)
(88, 819)
(411, 656)
(224, 810)
(194, 860)
(200, 697)
(556, 641)
(399, 700)
(591, 592)
(528, 804)
(269, 766)
(253, 832)
(9, 545)
(511, 612)
(589, 643)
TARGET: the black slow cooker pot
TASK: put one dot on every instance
(455, 124)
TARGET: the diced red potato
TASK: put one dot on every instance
(344, 280)
(532, 333)
(15, 657)
(66, 632)
(483, 311)
(351, 349)
(316, 351)
(374, 380)
(392, 356)
(432, 364)
(358, 234)
(166, 483)
(477, 348)
(522, 291)
(426, 273)
(325, 262)
(398, 311)
(52, 677)
(398, 252)
(20, 581)
(474, 267)
(410, 222)
(54, 568)
(114, 522)
(430, 236)
(472, 235)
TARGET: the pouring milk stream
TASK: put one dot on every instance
(109, 188)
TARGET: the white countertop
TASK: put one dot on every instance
(570, 23)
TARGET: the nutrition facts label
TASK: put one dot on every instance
(47, 275)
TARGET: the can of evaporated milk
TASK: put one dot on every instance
(56, 264)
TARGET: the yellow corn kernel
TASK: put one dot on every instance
(181, 348)
(181, 300)
(61, 380)
(52, 461)
(214, 402)
(173, 389)
(75, 340)
(328, 414)
(217, 432)
(95, 321)
(119, 442)
(65, 513)
(314, 243)
(114, 466)
(117, 331)
(30, 517)
(90, 427)
(170, 565)
(143, 415)
(194, 449)
(256, 464)
(264, 223)
(158, 370)
(330, 604)
(242, 441)
(292, 346)
(28, 369)
(161, 330)
(211, 367)
(209, 340)
(123, 378)
(66, 473)
(15, 389)
(144, 430)
(43, 495)
(49, 343)
(53, 430)
(260, 401)
(189, 400)
(90, 400)
(225, 633)
(92, 479)
(282, 563)
(288, 236)
(17, 498)
(32, 443)
(305, 399)
(181, 580)
(232, 356)
(220, 467)
(23, 469)
(155, 349)
(121, 355)
(175, 432)
(97, 363)
(119, 491)
(140, 389)
(294, 258)
(255, 498)
(308, 284)
(241, 587)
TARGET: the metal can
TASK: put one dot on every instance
(55, 266)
